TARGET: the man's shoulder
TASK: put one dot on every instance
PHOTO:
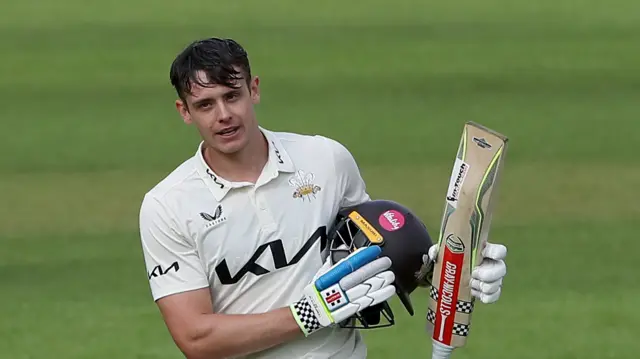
(296, 138)
(314, 144)
(180, 177)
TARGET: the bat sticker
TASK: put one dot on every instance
(455, 244)
(481, 142)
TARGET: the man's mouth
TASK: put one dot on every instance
(230, 131)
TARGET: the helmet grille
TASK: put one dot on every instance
(348, 238)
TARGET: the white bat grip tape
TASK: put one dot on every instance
(440, 351)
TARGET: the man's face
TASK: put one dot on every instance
(223, 115)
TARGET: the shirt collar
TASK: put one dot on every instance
(278, 161)
(277, 153)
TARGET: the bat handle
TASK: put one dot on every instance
(440, 351)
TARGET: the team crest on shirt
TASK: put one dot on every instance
(304, 186)
(214, 219)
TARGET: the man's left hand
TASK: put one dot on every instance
(486, 278)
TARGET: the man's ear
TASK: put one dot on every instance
(254, 89)
(183, 110)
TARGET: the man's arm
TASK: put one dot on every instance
(202, 334)
(180, 288)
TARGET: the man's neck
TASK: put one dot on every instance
(243, 166)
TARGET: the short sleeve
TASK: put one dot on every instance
(171, 260)
(350, 181)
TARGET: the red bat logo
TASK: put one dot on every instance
(450, 276)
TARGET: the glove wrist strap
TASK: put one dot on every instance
(305, 316)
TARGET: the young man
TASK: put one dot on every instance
(233, 236)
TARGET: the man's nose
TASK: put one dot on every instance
(224, 113)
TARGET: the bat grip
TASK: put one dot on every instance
(440, 351)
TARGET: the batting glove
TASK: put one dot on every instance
(486, 278)
(356, 282)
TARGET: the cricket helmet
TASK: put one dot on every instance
(403, 238)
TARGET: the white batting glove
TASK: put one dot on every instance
(356, 282)
(486, 278)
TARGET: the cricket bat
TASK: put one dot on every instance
(463, 234)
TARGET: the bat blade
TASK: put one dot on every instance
(463, 234)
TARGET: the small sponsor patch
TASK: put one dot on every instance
(455, 243)
(458, 175)
(391, 220)
(214, 219)
(481, 142)
(334, 297)
(369, 231)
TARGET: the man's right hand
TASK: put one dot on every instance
(356, 282)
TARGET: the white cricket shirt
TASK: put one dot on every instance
(254, 246)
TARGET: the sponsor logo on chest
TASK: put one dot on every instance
(214, 219)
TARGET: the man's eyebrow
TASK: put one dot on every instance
(231, 91)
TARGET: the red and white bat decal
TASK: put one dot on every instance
(450, 275)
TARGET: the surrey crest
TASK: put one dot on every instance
(303, 183)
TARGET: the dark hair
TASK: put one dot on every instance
(216, 57)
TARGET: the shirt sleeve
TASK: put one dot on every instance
(171, 259)
(350, 181)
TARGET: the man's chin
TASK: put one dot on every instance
(231, 147)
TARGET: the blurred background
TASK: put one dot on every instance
(88, 125)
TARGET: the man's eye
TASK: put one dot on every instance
(204, 106)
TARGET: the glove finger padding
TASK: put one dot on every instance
(365, 272)
(358, 304)
(494, 251)
(489, 270)
(486, 287)
(365, 287)
(487, 298)
(370, 285)
(354, 283)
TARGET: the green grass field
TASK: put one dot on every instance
(88, 125)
